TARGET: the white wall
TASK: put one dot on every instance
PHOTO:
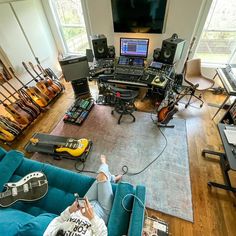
(182, 19)
(31, 37)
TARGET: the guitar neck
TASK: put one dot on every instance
(52, 143)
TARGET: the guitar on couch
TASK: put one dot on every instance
(30, 188)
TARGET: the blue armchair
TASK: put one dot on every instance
(32, 218)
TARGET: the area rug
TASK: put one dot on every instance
(136, 144)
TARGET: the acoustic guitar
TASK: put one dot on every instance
(25, 100)
(50, 75)
(39, 98)
(30, 188)
(40, 84)
(21, 104)
(44, 80)
(17, 113)
(74, 147)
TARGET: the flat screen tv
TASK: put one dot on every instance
(138, 16)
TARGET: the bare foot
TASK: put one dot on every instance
(118, 178)
(103, 159)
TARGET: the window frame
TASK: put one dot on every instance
(56, 28)
(200, 31)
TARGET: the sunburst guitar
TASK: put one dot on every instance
(32, 187)
(74, 147)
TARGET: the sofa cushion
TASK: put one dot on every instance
(2, 153)
(62, 185)
(8, 165)
(37, 225)
(119, 218)
(11, 220)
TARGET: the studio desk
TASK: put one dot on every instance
(155, 76)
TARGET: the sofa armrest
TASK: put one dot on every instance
(138, 211)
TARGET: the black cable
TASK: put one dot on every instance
(82, 170)
(125, 168)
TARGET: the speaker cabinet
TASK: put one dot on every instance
(74, 67)
(80, 87)
(171, 50)
(111, 52)
(156, 54)
(100, 49)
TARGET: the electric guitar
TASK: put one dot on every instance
(74, 147)
(30, 188)
(166, 113)
(6, 135)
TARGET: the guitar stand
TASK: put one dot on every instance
(50, 149)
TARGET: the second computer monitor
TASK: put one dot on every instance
(134, 47)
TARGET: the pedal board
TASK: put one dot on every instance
(79, 111)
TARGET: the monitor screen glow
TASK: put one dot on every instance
(132, 47)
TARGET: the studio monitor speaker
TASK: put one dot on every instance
(171, 50)
(156, 54)
(100, 49)
(111, 52)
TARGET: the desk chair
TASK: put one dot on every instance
(197, 81)
(124, 101)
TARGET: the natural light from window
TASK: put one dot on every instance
(70, 20)
(218, 41)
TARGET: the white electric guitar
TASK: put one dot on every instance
(30, 188)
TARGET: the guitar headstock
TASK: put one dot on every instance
(34, 141)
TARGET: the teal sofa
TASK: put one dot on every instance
(32, 218)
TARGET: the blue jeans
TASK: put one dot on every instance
(100, 194)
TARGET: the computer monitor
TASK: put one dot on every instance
(134, 47)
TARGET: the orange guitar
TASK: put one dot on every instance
(40, 84)
(39, 98)
(46, 82)
(17, 113)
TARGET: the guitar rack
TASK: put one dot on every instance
(12, 95)
(79, 111)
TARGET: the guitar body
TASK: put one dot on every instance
(166, 113)
(45, 90)
(38, 97)
(5, 135)
(30, 188)
(77, 151)
(20, 117)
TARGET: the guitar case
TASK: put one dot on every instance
(49, 149)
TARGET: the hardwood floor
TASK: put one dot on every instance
(214, 210)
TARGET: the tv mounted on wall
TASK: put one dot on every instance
(138, 16)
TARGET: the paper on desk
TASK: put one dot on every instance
(230, 135)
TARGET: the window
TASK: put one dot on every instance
(70, 20)
(218, 41)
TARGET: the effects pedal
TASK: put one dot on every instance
(79, 111)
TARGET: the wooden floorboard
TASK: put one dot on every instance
(214, 209)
